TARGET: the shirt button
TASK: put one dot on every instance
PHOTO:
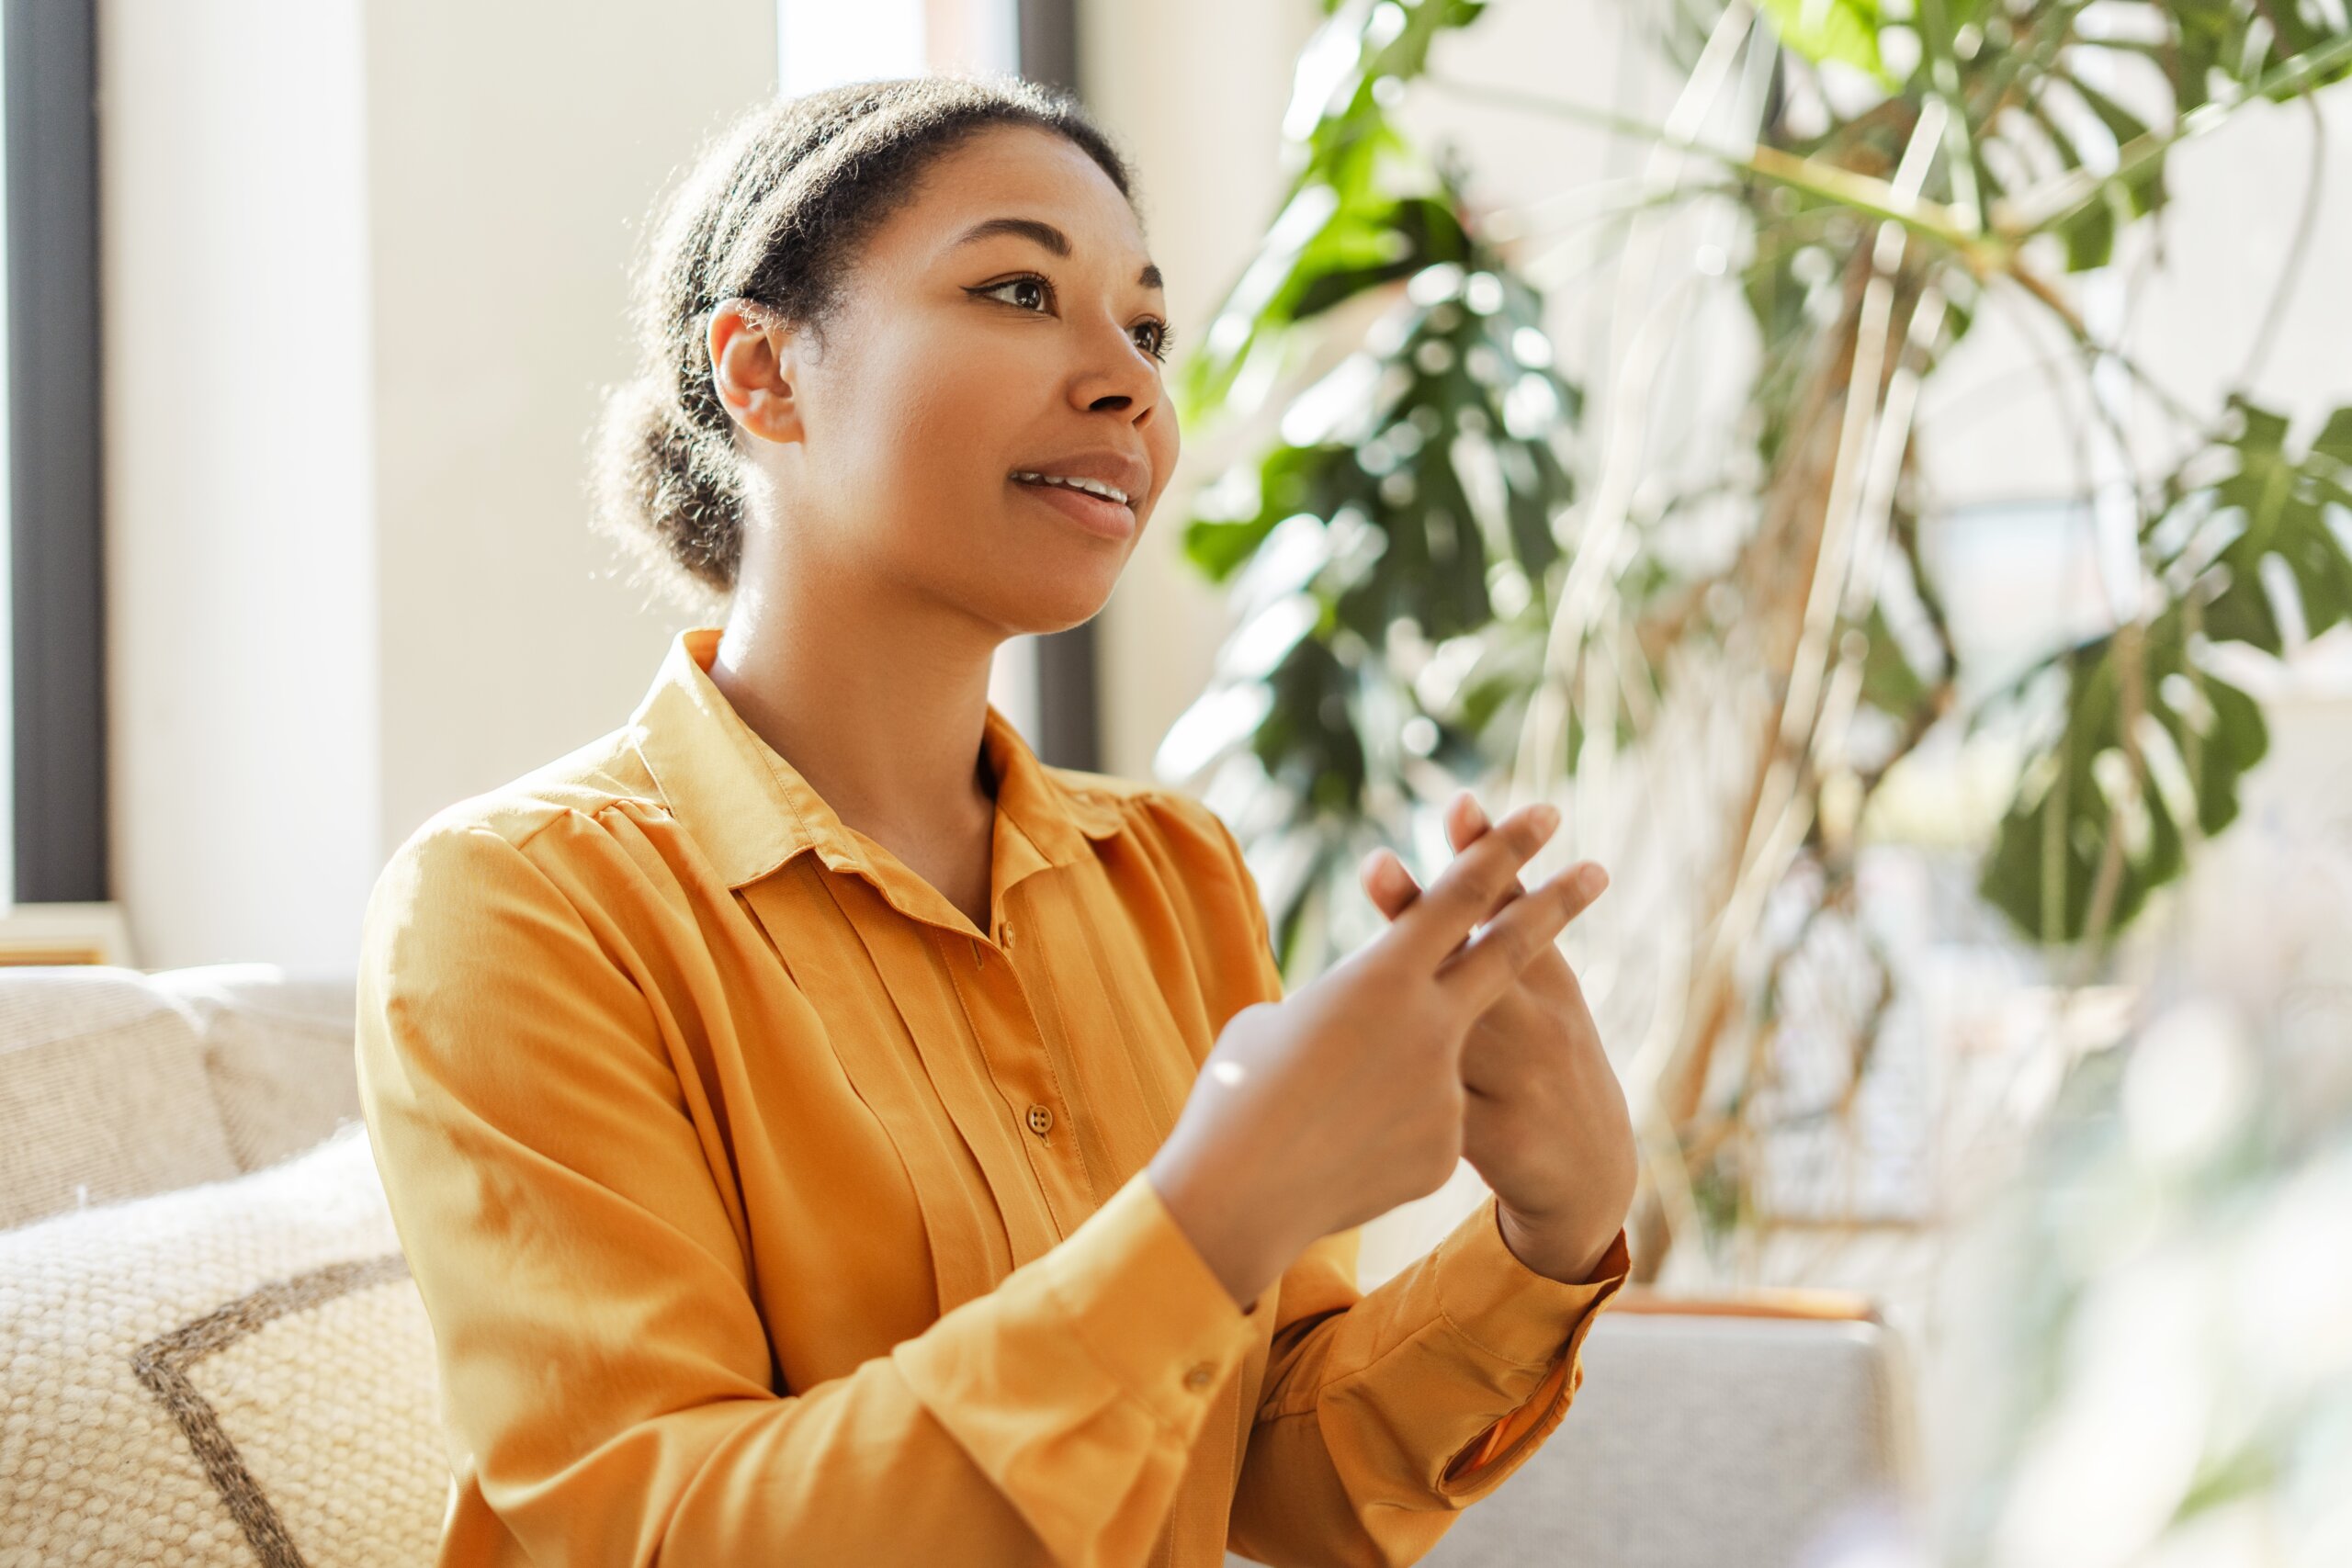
(1199, 1375)
(1041, 1119)
(1008, 936)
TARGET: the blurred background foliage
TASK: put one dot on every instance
(1442, 575)
(2165, 1321)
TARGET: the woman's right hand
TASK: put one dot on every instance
(1344, 1100)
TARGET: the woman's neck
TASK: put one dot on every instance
(883, 711)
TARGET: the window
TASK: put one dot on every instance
(50, 602)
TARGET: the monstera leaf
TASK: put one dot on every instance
(2058, 116)
(1363, 208)
(2152, 741)
(2106, 106)
(1410, 504)
(1400, 532)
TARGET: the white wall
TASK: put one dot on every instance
(364, 273)
(515, 152)
(239, 481)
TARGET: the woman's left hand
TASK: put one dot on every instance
(1546, 1125)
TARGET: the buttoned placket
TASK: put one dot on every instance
(1029, 1080)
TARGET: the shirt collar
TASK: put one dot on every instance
(750, 810)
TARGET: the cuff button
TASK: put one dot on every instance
(1199, 1375)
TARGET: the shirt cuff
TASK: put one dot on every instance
(1079, 1385)
(1563, 1316)
(1504, 1307)
(1148, 1305)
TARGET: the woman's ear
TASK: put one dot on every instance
(754, 360)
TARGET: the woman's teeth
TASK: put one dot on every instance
(1092, 487)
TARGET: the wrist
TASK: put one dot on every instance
(1568, 1250)
(1230, 1232)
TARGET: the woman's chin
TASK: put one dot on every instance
(1053, 601)
(1053, 589)
(1044, 620)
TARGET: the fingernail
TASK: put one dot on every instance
(1591, 880)
(1477, 813)
(1545, 817)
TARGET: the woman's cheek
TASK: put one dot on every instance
(934, 427)
(1163, 452)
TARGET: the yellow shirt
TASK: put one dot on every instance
(766, 1211)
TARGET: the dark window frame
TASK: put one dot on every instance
(1069, 731)
(56, 567)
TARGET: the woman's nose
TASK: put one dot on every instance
(1118, 377)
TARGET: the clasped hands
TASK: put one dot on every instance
(1458, 1032)
(1544, 1122)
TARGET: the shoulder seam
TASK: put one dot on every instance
(554, 812)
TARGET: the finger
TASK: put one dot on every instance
(1515, 937)
(1465, 820)
(1445, 912)
(1386, 883)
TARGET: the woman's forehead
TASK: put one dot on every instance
(1032, 177)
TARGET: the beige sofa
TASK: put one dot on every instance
(211, 1351)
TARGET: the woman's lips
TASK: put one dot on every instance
(1097, 514)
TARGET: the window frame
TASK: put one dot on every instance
(1069, 730)
(56, 567)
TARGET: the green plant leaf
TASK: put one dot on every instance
(1889, 683)
(2271, 507)
(1402, 488)
(2245, 501)
(1842, 30)
(2084, 801)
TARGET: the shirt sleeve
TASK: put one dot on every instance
(605, 1375)
(1383, 1415)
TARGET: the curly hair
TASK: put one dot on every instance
(775, 210)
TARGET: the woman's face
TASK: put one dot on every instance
(994, 335)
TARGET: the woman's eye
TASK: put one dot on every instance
(1028, 293)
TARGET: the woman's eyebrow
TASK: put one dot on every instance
(1030, 229)
(1043, 235)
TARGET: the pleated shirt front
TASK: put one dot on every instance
(766, 1210)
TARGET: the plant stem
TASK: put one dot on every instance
(2075, 191)
(2042, 293)
(1860, 193)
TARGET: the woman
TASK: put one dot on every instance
(819, 1132)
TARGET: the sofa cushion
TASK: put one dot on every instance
(1690, 1433)
(277, 1050)
(238, 1372)
(103, 1093)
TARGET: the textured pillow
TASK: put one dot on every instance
(277, 1051)
(236, 1373)
(102, 1093)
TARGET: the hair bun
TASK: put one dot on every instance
(666, 495)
